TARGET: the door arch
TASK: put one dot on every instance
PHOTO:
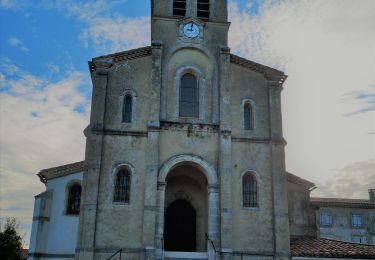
(212, 199)
(180, 227)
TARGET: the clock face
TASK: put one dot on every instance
(191, 30)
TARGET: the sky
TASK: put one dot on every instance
(326, 47)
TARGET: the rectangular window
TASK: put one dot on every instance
(356, 220)
(359, 239)
(325, 219)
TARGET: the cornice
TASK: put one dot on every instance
(269, 73)
(120, 56)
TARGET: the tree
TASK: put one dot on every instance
(10, 240)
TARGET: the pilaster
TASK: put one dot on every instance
(213, 222)
(150, 202)
(93, 158)
(279, 182)
(225, 155)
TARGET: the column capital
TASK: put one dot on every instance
(275, 85)
(213, 188)
(162, 185)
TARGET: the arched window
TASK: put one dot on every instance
(249, 191)
(127, 109)
(248, 116)
(203, 9)
(179, 7)
(122, 186)
(74, 199)
(188, 96)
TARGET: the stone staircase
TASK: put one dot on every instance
(169, 255)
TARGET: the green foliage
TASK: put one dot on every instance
(10, 240)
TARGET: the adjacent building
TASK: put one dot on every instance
(346, 219)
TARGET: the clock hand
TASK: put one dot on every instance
(191, 27)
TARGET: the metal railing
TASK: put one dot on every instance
(212, 243)
(114, 254)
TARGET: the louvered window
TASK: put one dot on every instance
(122, 186)
(127, 109)
(203, 10)
(249, 189)
(248, 116)
(188, 96)
(74, 199)
(179, 7)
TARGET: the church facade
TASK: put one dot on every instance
(185, 150)
(184, 136)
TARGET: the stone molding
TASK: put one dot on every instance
(268, 72)
(260, 140)
(203, 165)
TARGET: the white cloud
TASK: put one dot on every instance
(39, 128)
(352, 181)
(113, 35)
(15, 42)
(2, 80)
(11, 4)
(8, 67)
(89, 10)
(53, 68)
(107, 32)
(327, 48)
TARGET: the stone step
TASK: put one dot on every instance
(170, 255)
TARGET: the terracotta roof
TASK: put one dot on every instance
(124, 55)
(299, 181)
(55, 172)
(269, 73)
(342, 203)
(313, 247)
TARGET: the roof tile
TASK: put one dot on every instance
(342, 203)
(55, 172)
(321, 247)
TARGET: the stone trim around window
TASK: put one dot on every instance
(258, 190)
(133, 181)
(253, 115)
(66, 198)
(201, 94)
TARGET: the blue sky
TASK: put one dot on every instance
(326, 47)
(46, 37)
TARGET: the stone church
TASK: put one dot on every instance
(184, 155)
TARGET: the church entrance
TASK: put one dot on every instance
(186, 210)
(180, 227)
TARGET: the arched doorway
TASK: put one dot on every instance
(194, 180)
(186, 205)
(180, 227)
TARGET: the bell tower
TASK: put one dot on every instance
(209, 10)
(192, 36)
(209, 16)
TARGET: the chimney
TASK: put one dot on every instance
(371, 193)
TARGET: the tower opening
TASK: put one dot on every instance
(179, 7)
(203, 9)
